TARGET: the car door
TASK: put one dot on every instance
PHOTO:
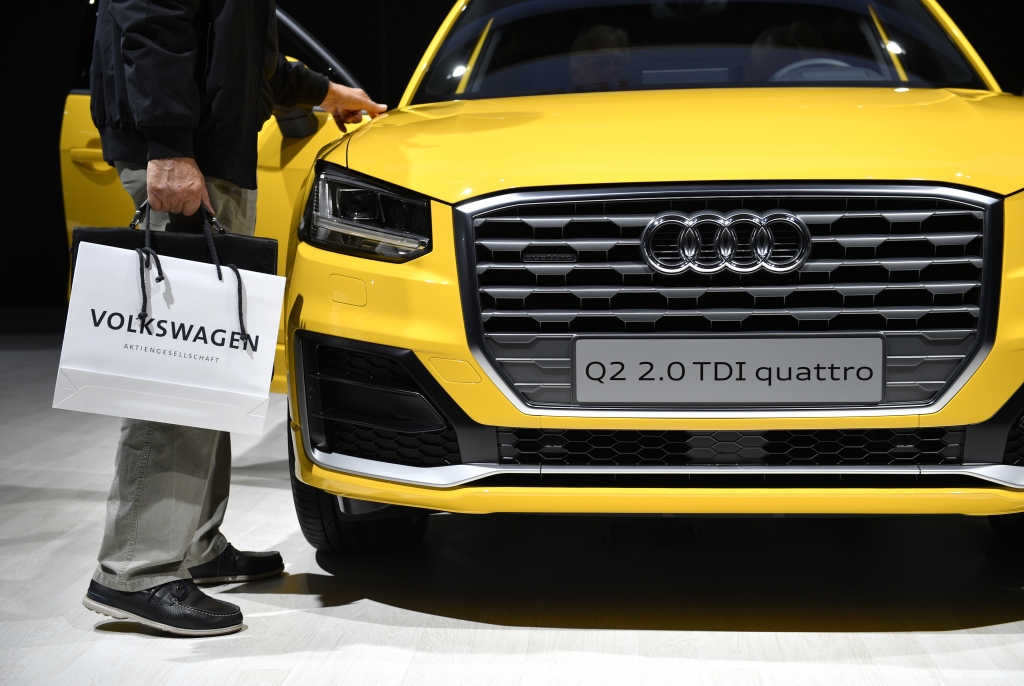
(287, 145)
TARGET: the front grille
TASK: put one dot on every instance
(367, 405)
(1014, 453)
(908, 268)
(874, 447)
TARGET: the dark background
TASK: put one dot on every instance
(379, 41)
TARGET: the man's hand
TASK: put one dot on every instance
(346, 105)
(176, 185)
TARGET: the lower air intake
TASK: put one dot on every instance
(874, 447)
(1014, 453)
(367, 405)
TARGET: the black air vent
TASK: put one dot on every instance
(1014, 453)
(848, 448)
(368, 405)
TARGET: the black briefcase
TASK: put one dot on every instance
(213, 246)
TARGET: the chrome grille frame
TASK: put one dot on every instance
(990, 207)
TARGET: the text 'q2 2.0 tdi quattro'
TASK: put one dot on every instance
(644, 256)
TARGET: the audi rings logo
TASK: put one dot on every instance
(709, 242)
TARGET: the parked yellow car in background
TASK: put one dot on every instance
(716, 256)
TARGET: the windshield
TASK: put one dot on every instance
(505, 48)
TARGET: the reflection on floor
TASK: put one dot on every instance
(498, 599)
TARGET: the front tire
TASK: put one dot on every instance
(327, 529)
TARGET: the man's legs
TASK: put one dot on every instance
(161, 477)
(208, 542)
(159, 525)
(235, 206)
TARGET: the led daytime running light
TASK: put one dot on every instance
(405, 242)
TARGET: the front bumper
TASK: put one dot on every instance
(473, 499)
(416, 308)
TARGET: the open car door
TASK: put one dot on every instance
(288, 144)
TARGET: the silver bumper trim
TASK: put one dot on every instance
(452, 476)
(1002, 474)
(431, 477)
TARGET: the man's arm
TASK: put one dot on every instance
(293, 84)
(159, 50)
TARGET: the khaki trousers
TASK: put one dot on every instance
(171, 483)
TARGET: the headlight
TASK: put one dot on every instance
(358, 215)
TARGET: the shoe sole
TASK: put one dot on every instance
(115, 613)
(240, 577)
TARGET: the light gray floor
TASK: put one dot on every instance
(500, 599)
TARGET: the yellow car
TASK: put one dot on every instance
(696, 256)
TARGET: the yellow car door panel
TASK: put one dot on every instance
(92, 192)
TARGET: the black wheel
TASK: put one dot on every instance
(1009, 529)
(327, 529)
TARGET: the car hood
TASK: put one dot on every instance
(454, 151)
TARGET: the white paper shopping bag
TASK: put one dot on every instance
(188, 362)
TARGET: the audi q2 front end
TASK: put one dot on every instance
(715, 256)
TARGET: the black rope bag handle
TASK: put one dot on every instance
(241, 319)
(209, 223)
(144, 255)
(209, 220)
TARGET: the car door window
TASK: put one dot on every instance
(296, 42)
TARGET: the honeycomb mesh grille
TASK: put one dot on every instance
(875, 447)
(909, 268)
(422, 449)
(1014, 453)
(357, 365)
(325, 384)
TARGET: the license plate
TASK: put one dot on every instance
(735, 371)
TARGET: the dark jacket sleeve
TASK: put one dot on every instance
(293, 84)
(159, 49)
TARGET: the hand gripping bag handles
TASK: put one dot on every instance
(171, 327)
